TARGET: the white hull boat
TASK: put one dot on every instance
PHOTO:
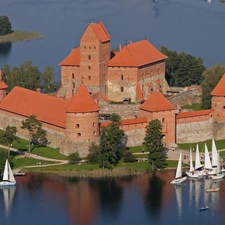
(219, 174)
(8, 177)
(191, 173)
(178, 177)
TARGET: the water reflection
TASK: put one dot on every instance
(110, 195)
(5, 49)
(153, 198)
(8, 195)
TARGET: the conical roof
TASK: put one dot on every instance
(156, 102)
(219, 90)
(2, 83)
(82, 102)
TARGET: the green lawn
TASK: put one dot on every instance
(136, 148)
(28, 162)
(219, 144)
(195, 107)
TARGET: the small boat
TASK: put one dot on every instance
(178, 177)
(212, 190)
(219, 174)
(8, 177)
(191, 173)
(204, 208)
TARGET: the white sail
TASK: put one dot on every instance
(6, 174)
(179, 168)
(197, 159)
(11, 176)
(191, 163)
(214, 153)
(218, 164)
(208, 164)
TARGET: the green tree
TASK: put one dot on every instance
(211, 77)
(93, 156)
(74, 157)
(182, 69)
(29, 76)
(3, 157)
(111, 140)
(8, 136)
(47, 80)
(154, 145)
(36, 133)
(5, 25)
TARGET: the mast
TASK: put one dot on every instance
(191, 163)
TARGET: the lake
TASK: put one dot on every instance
(191, 26)
(150, 199)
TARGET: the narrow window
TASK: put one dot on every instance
(84, 47)
(77, 125)
(121, 77)
(89, 67)
(94, 133)
(94, 47)
(78, 134)
(121, 89)
(94, 124)
(89, 77)
(73, 85)
(73, 76)
(89, 47)
(163, 120)
(89, 57)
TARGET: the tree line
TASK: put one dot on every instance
(29, 76)
(185, 70)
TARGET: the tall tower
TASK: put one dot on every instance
(3, 88)
(94, 57)
(82, 116)
(218, 100)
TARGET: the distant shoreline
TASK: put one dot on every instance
(20, 35)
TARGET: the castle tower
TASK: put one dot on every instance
(3, 88)
(94, 57)
(82, 116)
(218, 100)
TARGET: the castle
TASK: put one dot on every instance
(93, 77)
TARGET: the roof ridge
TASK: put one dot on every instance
(131, 54)
(102, 25)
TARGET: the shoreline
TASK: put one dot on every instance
(20, 35)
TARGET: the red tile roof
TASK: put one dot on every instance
(137, 54)
(100, 31)
(219, 90)
(193, 113)
(2, 83)
(82, 102)
(25, 102)
(99, 95)
(127, 122)
(156, 102)
(73, 59)
(139, 93)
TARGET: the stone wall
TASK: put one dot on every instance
(219, 130)
(135, 137)
(197, 131)
(183, 97)
(55, 135)
(126, 111)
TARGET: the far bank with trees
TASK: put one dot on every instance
(8, 35)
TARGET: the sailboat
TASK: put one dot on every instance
(219, 174)
(8, 177)
(208, 166)
(178, 177)
(191, 173)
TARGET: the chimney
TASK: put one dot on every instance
(38, 90)
(120, 47)
(130, 42)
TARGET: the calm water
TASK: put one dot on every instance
(51, 200)
(192, 26)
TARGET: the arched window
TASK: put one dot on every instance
(78, 134)
(94, 124)
(77, 125)
(89, 67)
(94, 133)
(122, 77)
(121, 89)
(89, 57)
(73, 76)
(89, 77)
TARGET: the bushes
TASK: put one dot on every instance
(128, 157)
(5, 25)
(74, 157)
